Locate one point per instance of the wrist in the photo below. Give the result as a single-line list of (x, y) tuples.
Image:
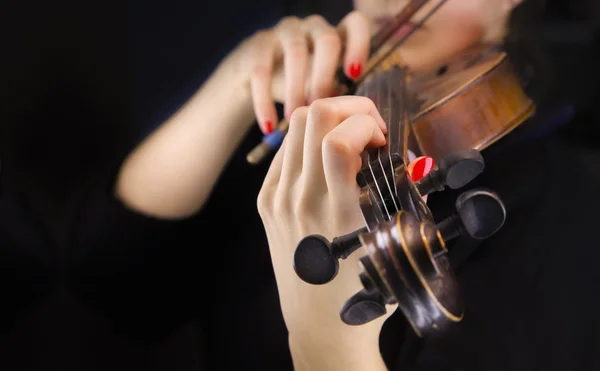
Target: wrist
[(227, 90), (172, 173), (352, 348), (232, 77)]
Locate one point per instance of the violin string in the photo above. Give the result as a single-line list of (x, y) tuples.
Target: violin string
[(368, 94), (385, 171), (383, 89), (378, 104), (392, 133), (403, 121)]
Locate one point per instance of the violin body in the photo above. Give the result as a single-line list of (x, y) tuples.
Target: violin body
[(470, 102)]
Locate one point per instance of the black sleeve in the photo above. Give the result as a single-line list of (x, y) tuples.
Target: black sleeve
[(529, 291), (26, 260), (332, 10), (136, 270), (149, 275)]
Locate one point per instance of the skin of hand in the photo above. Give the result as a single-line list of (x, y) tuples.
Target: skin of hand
[(311, 188), (172, 173), (295, 62)]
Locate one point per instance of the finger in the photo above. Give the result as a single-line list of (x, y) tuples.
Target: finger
[(323, 116), (274, 172), (342, 148), (260, 81), (327, 49), (355, 30), (292, 159), (294, 43), (270, 184), (420, 167)]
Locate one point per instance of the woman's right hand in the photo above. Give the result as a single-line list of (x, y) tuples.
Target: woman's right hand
[(295, 62)]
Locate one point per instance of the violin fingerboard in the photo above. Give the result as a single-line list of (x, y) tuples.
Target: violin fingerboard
[(387, 90)]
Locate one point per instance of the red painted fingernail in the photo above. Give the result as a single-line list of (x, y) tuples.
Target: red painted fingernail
[(268, 127), (354, 70), (420, 167)]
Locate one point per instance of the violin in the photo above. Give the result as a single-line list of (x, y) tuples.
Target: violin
[(449, 113)]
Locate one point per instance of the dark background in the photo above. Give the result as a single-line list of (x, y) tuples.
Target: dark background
[(82, 83)]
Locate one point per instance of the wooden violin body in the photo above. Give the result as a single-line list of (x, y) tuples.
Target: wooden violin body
[(449, 114), (470, 102)]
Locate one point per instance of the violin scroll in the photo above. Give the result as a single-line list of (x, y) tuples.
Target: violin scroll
[(407, 264)]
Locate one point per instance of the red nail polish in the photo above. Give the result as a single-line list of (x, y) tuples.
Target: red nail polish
[(420, 167), (268, 127), (355, 70)]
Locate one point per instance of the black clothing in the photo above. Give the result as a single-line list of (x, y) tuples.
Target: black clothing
[(150, 276), (528, 290), (26, 274)]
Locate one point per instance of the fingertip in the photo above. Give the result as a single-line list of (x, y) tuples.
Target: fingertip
[(267, 127), (355, 28), (379, 120), (420, 167), (383, 126), (354, 69), (378, 139), (266, 124)]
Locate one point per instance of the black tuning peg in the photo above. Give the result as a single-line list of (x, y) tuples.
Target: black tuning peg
[(479, 214), (454, 170), (363, 307), (316, 259)]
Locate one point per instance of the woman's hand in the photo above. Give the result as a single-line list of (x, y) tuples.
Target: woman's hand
[(295, 62), (172, 173), (311, 189)]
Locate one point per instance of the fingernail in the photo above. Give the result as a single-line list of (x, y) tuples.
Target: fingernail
[(268, 127), (354, 71), (421, 166)]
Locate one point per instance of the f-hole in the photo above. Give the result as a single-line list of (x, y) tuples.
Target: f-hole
[(442, 70)]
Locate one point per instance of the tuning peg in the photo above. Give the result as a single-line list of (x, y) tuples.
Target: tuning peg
[(479, 214), (316, 259), (454, 170), (363, 307)]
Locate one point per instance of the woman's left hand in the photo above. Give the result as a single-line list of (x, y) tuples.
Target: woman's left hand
[(311, 189)]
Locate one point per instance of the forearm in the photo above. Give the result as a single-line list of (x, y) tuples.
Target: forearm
[(172, 173)]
